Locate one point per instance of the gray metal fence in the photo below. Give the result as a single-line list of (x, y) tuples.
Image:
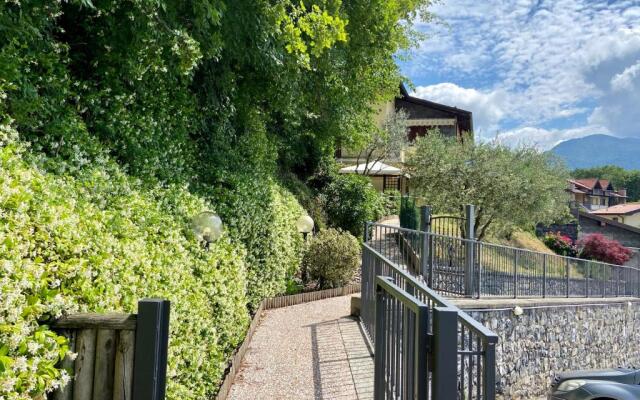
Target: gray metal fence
[(425, 348), (463, 267)]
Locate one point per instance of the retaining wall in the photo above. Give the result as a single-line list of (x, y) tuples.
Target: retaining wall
[(554, 335)]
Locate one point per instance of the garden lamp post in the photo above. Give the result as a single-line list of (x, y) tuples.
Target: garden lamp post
[(207, 227), (305, 225)]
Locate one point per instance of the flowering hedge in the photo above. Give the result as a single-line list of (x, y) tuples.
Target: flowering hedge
[(99, 242)]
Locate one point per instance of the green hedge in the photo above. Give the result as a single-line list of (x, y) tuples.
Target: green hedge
[(262, 216), (99, 242)]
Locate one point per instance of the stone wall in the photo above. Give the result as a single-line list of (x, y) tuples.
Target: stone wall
[(556, 335)]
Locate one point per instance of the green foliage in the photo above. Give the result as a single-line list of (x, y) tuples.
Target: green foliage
[(619, 177), (409, 214), (350, 201), (307, 199), (391, 202), (99, 242), (509, 187), (333, 258), (141, 113), (262, 216), (560, 244)]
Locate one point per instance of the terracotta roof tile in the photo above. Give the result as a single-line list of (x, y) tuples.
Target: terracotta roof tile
[(628, 208)]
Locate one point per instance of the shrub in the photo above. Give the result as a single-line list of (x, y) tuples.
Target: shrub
[(560, 244), (333, 258), (599, 248), (99, 242), (350, 201), (391, 202)]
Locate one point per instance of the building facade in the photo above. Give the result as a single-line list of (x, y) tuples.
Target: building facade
[(594, 194)]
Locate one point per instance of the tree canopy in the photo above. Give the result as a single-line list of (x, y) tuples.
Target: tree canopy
[(509, 187)]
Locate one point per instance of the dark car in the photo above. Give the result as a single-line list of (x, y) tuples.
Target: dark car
[(605, 384)]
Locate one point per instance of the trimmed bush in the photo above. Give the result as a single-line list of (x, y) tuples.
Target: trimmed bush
[(350, 201), (333, 258), (599, 248), (99, 242)]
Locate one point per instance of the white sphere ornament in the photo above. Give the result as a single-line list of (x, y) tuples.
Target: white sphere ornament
[(207, 226), (305, 224), (518, 311)]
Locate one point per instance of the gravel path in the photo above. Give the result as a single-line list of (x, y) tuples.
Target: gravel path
[(308, 351)]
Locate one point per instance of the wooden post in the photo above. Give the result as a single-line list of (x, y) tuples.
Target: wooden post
[(152, 340), (86, 349)]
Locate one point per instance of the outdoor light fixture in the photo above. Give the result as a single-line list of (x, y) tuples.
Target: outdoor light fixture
[(517, 311), (207, 227), (305, 225)]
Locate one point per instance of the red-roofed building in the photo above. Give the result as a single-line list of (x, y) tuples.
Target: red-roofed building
[(595, 194)]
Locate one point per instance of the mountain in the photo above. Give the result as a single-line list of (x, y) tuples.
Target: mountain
[(598, 150)]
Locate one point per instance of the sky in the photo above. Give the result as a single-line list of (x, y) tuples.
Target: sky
[(533, 71)]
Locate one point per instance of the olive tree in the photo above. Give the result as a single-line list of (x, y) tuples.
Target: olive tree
[(385, 142), (510, 187)]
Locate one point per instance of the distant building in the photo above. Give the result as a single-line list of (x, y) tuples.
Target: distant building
[(595, 194), (422, 116), (628, 213)]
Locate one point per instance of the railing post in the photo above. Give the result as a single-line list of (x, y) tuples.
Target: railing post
[(445, 353), (422, 348), (380, 346), (588, 270), (150, 358), (432, 249), (366, 232), (425, 226), (568, 281), (470, 236), (489, 370), (544, 275), (425, 218), (516, 256)]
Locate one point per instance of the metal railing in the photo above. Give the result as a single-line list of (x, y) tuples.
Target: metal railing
[(425, 348), (471, 268)]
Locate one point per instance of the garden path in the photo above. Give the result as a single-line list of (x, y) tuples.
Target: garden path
[(307, 351)]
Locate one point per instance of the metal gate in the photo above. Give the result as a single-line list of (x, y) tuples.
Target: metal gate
[(425, 347)]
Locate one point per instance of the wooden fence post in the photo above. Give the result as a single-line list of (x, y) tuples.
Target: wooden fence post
[(152, 340)]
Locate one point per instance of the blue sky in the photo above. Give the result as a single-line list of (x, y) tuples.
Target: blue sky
[(534, 71)]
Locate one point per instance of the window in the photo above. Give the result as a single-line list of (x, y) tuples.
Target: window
[(603, 201), (391, 183)]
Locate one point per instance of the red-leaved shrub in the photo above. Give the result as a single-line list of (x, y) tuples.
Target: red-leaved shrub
[(599, 248)]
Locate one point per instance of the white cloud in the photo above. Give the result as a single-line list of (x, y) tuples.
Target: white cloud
[(537, 62)]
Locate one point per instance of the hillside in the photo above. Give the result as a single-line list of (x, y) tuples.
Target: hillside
[(597, 150)]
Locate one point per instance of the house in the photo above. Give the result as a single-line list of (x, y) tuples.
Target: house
[(627, 213), (384, 177), (594, 194), (422, 116)]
